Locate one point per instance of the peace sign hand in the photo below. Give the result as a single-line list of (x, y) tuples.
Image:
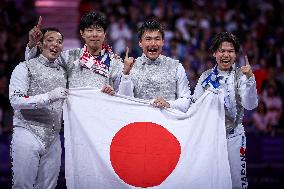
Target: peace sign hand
[(35, 34), (246, 69), (128, 63)]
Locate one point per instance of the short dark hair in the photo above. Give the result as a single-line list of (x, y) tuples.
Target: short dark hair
[(151, 25), (224, 37), (48, 29), (93, 19)]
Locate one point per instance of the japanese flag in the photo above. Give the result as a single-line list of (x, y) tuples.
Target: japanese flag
[(115, 142)]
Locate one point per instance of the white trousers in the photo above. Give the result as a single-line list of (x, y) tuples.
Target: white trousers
[(237, 159), (34, 166)]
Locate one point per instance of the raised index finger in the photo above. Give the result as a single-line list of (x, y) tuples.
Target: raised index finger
[(246, 60), (126, 53), (39, 22)]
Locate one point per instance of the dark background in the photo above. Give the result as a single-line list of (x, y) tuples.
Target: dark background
[(190, 26)]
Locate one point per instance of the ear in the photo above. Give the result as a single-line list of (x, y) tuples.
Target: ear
[(82, 33), (140, 45), (39, 44)]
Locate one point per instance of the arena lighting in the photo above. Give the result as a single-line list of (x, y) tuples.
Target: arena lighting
[(55, 3)]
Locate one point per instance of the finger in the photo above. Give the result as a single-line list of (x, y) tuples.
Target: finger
[(39, 22), (103, 89), (39, 35), (155, 103), (126, 53), (161, 105), (246, 60)]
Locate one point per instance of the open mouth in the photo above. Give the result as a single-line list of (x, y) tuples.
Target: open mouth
[(95, 40), (152, 50), (53, 51), (226, 62)]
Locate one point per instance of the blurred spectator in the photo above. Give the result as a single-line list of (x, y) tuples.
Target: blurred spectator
[(16, 18), (119, 34), (261, 74), (273, 102), (261, 119), (5, 108)]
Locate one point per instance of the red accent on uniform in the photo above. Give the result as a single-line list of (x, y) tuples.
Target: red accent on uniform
[(242, 151), (144, 154), (26, 96)]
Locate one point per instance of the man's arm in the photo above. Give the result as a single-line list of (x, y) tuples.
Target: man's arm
[(199, 89), (247, 87), (248, 93), (183, 100), (116, 73), (35, 36), (126, 86), (18, 91)]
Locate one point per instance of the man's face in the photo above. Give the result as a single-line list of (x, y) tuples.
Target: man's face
[(225, 56), (51, 45), (94, 37), (151, 43)]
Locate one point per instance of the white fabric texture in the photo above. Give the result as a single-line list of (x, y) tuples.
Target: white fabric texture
[(33, 165), (183, 100), (92, 119)]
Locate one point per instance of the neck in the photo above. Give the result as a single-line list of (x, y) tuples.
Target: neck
[(94, 51), (50, 60)]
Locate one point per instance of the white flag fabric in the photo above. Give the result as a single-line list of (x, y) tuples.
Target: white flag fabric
[(114, 142)]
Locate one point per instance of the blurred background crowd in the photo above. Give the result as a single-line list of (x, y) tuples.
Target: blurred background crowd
[(189, 28)]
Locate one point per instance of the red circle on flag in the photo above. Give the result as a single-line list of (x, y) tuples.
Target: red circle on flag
[(144, 154)]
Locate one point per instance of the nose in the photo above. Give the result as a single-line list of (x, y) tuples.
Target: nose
[(226, 54), (94, 33), (55, 43), (152, 42)]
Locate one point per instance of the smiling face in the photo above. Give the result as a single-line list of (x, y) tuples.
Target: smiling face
[(225, 56), (94, 37), (51, 45), (152, 44)]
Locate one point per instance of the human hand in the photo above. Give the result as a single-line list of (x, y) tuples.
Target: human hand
[(159, 102), (35, 34), (128, 63), (246, 69), (58, 93), (108, 90)]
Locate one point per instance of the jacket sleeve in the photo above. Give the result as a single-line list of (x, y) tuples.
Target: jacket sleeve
[(248, 93), (199, 89), (18, 90), (183, 100), (116, 73), (126, 86)]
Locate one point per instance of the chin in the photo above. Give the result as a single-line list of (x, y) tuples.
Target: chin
[(151, 57)]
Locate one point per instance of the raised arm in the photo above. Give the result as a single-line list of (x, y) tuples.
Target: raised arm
[(247, 87), (126, 86)]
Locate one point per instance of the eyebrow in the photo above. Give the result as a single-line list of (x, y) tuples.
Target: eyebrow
[(153, 37)]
